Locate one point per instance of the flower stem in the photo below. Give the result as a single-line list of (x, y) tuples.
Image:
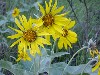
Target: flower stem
[(54, 45), (52, 52), (35, 67), (87, 65), (72, 58)]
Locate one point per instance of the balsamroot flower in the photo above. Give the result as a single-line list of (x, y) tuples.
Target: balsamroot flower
[(15, 12), (28, 37), (97, 66), (51, 21), (67, 37), (92, 48)]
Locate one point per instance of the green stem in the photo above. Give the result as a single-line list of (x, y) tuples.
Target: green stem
[(35, 67), (49, 68), (72, 58), (54, 45), (52, 52)]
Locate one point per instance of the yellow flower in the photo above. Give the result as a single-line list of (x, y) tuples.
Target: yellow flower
[(23, 56), (92, 48), (94, 52), (28, 37), (50, 21), (15, 12), (67, 37), (97, 66)]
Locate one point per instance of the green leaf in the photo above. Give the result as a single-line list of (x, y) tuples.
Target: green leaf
[(71, 70), (58, 54), (2, 22), (5, 64), (13, 68)]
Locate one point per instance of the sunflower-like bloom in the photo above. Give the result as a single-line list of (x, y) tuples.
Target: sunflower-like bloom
[(97, 66), (94, 52), (28, 37), (67, 37), (15, 12), (50, 21)]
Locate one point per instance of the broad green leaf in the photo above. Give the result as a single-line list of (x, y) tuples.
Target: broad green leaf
[(2, 22), (58, 54), (13, 68)]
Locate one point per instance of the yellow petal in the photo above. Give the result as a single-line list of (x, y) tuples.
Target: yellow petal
[(23, 56), (18, 24), (30, 22), (55, 36), (16, 42), (47, 8), (60, 18), (54, 7), (60, 43), (14, 36), (72, 39), (18, 31), (99, 57), (67, 42), (20, 47), (26, 26), (50, 3), (24, 22), (64, 14), (28, 58), (24, 19), (96, 66), (58, 28), (39, 42), (44, 41), (18, 59), (23, 45), (21, 20), (72, 34), (65, 45), (70, 25), (47, 37), (57, 10), (42, 9), (38, 22), (50, 30), (61, 23), (96, 52), (43, 33), (92, 53), (99, 71), (33, 49)]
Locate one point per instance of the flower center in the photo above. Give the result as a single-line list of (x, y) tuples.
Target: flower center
[(48, 20), (65, 32), (29, 35)]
